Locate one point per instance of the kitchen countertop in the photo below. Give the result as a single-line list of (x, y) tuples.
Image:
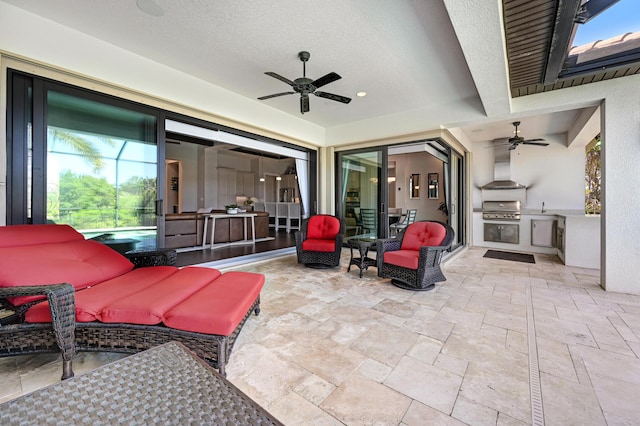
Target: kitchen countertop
[(565, 213), (570, 213)]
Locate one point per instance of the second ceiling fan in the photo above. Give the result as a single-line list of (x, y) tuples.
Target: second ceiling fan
[(305, 86), (517, 140)]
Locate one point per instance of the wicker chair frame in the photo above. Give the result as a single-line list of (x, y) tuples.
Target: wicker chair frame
[(316, 259), (68, 337), (428, 272)]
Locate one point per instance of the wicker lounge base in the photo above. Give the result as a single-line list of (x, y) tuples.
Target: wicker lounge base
[(24, 339), (165, 385)]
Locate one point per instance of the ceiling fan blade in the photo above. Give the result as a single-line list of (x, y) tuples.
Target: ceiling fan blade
[(513, 146), (329, 78), (333, 97), (534, 140), (304, 104), (279, 77), (262, 98), (530, 142)]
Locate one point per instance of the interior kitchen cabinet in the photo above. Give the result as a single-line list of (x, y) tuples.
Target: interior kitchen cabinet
[(352, 202), (289, 188), (543, 232), (173, 186), (246, 184), (227, 181)]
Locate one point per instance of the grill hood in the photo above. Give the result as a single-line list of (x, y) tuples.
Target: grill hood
[(502, 168)]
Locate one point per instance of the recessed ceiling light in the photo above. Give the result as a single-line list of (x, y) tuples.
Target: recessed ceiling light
[(361, 94), (150, 7)]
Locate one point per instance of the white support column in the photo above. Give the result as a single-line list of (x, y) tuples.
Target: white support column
[(620, 226)]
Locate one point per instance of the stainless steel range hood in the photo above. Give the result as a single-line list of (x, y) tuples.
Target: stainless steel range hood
[(502, 168)]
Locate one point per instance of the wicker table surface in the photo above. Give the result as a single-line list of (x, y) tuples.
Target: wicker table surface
[(165, 385), (362, 245)]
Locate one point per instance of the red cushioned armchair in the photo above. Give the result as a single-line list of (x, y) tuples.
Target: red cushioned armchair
[(319, 241), (412, 260)]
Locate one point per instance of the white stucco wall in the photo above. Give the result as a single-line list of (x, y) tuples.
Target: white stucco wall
[(553, 174), (621, 213)]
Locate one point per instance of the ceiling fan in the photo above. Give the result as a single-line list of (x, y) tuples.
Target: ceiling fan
[(517, 140), (305, 86)]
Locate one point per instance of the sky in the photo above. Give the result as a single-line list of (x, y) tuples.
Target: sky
[(623, 17)]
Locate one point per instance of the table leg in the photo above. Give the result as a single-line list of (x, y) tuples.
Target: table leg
[(350, 260), (364, 250), (245, 233), (204, 232), (253, 229), (213, 230)]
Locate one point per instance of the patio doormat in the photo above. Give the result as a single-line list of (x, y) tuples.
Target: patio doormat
[(508, 255)]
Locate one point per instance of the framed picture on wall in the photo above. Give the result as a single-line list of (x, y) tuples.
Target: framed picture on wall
[(432, 186)]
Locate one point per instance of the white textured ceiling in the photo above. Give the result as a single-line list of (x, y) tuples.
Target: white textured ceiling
[(419, 73), (403, 54)]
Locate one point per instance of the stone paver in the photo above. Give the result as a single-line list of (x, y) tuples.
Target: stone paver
[(330, 348)]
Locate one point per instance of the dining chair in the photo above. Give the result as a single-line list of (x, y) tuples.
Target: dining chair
[(407, 220), (369, 218)]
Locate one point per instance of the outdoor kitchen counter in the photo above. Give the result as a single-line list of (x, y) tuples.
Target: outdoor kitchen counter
[(580, 234)]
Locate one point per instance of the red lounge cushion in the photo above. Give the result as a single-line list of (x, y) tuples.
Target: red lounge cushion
[(81, 263), (219, 307), (149, 305), (91, 301), (32, 235), (420, 234), (323, 227), (328, 246), (404, 258)]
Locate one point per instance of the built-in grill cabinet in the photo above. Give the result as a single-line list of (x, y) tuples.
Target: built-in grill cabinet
[(503, 211), (502, 233)]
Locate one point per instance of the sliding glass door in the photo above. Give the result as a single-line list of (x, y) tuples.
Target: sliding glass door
[(362, 189), (456, 219), (386, 183), (80, 159)]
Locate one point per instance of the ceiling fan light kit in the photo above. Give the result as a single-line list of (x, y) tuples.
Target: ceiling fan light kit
[(306, 86)]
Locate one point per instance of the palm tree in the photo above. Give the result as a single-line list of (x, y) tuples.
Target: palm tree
[(85, 148)]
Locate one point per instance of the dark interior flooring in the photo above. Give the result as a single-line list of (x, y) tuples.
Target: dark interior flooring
[(282, 239)]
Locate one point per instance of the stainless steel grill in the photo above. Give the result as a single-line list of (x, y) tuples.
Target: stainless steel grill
[(501, 210)]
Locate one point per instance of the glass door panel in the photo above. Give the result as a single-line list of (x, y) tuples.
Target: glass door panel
[(456, 220), (102, 169), (361, 192)]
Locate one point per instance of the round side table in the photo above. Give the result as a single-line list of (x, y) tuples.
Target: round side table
[(363, 245)]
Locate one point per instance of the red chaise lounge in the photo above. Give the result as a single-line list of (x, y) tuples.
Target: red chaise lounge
[(96, 300)]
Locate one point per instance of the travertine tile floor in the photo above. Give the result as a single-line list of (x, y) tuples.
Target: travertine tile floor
[(498, 343)]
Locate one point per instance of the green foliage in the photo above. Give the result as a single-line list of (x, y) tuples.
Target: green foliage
[(592, 178), (88, 202)]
